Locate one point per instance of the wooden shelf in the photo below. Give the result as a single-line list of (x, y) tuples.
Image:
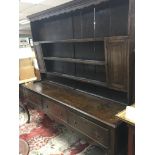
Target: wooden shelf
[(90, 62), (78, 78), (71, 40)]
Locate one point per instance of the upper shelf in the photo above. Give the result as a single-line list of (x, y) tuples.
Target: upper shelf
[(90, 62), (70, 40)]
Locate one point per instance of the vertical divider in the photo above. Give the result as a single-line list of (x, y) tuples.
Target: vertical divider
[(94, 21), (106, 61), (94, 43)]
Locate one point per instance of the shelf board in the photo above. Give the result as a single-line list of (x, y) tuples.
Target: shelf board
[(71, 40), (82, 79), (90, 62)]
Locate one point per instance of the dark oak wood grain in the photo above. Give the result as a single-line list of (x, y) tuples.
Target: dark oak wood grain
[(92, 130), (85, 51), (33, 99), (91, 62), (80, 35), (100, 109), (131, 33), (65, 8), (91, 116), (39, 57), (117, 55)]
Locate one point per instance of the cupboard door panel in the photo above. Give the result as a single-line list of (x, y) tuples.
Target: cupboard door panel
[(39, 56), (116, 57)]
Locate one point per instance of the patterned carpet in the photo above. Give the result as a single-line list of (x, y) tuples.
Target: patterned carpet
[(47, 137)]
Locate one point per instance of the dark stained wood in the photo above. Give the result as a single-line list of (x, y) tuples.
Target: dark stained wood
[(87, 17), (102, 20), (92, 130), (131, 140), (88, 88), (118, 17), (102, 110), (65, 8), (77, 26), (52, 108), (71, 40), (131, 71), (78, 78), (56, 29), (90, 117), (35, 26), (91, 62), (39, 56), (117, 56), (33, 99), (21, 92), (85, 50), (80, 34), (131, 20), (62, 50)]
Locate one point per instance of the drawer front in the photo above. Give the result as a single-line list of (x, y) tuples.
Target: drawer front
[(88, 128), (34, 98), (92, 130), (52, 108)]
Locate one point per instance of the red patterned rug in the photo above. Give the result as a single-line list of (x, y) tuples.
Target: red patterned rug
[(47, 137)]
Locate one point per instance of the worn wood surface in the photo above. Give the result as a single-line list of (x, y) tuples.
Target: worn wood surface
[(39, 55), (102, 110), (116, 56)]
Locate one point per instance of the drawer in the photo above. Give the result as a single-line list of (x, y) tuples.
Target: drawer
[(88, 128), (97, 133), (34, 99), (53, 108)]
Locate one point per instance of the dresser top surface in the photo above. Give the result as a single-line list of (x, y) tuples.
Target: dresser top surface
[(102, 110)]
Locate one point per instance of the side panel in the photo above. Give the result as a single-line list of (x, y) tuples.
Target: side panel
[(39, 56)]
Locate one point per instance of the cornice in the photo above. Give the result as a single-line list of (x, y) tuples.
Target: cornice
[(64, 8)]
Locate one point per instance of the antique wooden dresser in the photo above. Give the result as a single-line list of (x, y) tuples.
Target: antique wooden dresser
[(85, 51)]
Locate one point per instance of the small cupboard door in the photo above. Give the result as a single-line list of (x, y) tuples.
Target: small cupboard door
[(116, 51), (39, 56)]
